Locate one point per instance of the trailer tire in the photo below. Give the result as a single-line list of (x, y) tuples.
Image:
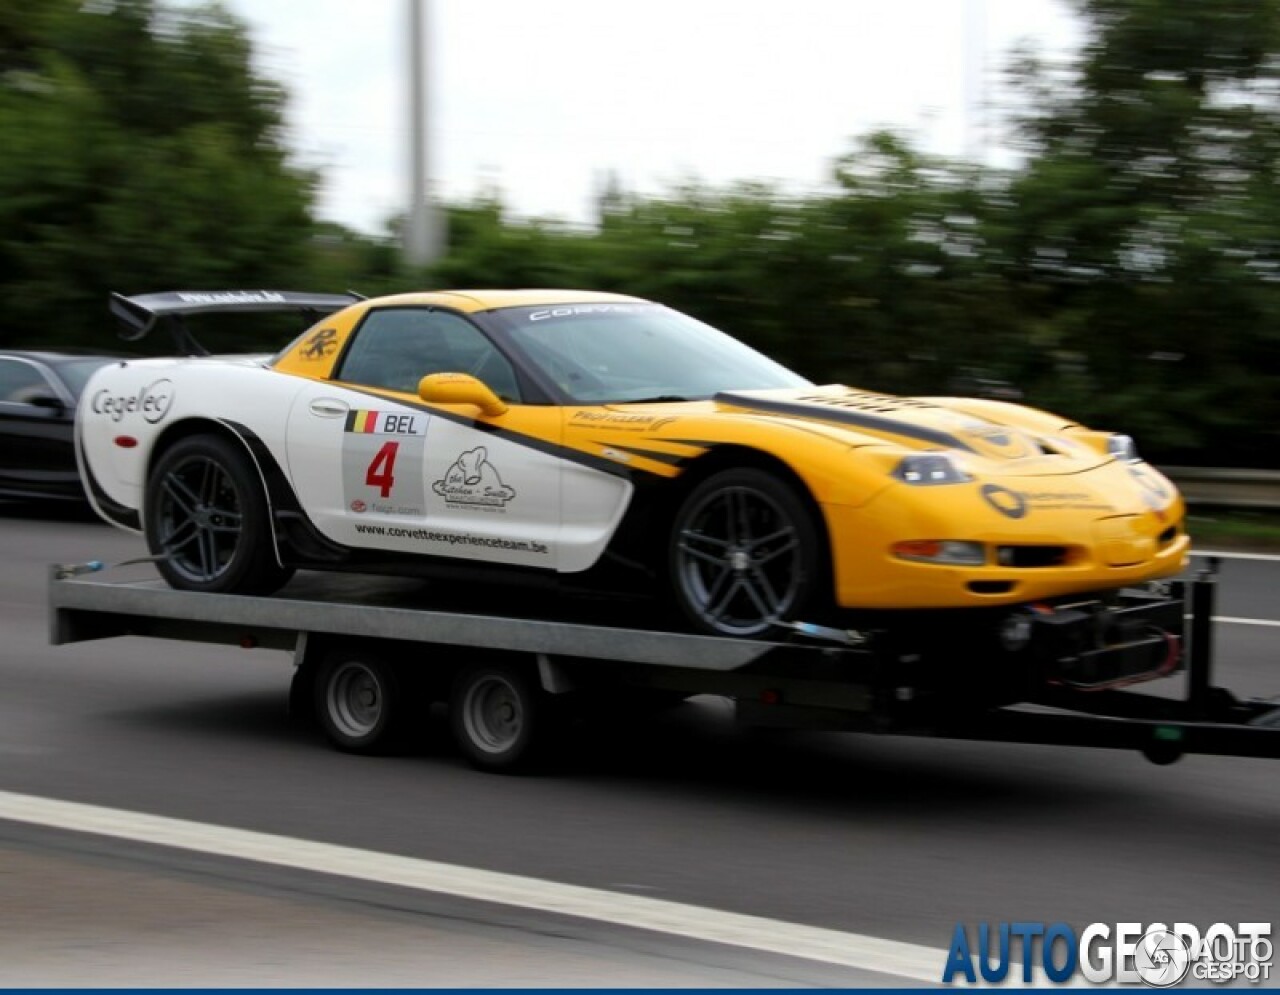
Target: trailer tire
[(1162, 753), (360, 702), (497, 712)]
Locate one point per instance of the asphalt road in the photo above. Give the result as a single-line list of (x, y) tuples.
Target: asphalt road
[(892, 838)]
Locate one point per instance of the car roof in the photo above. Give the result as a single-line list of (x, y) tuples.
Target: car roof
[(470, 301)]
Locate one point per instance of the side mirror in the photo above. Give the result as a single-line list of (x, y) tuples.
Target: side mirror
[(460, 388)]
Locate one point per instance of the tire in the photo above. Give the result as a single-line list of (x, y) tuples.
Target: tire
[(207, 517), (361, 703), (744, 553), (497, 711)]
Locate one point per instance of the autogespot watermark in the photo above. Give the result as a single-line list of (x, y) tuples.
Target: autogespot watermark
[(1155, 955)]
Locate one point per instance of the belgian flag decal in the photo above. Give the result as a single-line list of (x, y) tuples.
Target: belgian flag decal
[(362, 421), (385, 423)]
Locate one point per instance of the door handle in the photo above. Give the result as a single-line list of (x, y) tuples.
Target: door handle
[(327, 407)]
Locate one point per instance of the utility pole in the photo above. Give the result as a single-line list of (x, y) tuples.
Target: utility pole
[(975, 81), (423, 241)]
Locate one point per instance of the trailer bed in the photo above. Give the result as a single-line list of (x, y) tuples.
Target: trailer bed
[(363, 645)]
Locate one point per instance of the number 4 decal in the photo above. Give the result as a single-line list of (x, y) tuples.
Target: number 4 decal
[(382, 469)]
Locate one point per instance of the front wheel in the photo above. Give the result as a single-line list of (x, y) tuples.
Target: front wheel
[(361, 703), (744, 554), (207, 519)]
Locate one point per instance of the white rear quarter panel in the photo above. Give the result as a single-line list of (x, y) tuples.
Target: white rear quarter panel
[(137, 401)]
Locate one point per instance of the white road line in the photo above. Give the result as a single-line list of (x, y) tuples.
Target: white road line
[(1241, 556), (1247, 621), (868, 953), (1237, 556)]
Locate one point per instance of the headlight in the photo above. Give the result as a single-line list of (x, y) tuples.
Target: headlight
[(1122, 447), (926, 469), (947, 551)]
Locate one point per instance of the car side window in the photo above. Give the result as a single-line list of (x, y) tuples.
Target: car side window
[(20, 383), (396, 347)]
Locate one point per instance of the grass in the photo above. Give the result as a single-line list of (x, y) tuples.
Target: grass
[(1235, 528)]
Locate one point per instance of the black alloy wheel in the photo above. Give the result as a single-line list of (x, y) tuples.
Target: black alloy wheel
[(744, 555), (206, 516)]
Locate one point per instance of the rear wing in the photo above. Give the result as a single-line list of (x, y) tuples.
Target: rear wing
[(139, 315)]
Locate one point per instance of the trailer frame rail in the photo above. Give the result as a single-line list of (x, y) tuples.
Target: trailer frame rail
[(820, 678)]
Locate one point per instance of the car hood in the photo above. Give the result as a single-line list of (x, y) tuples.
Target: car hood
[(865, 418)]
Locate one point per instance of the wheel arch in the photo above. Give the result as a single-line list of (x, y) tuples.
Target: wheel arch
[(184, 429), (730, 456), (276, 488)]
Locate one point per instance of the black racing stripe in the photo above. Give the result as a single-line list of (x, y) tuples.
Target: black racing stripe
[(519, 438), (846, 417), (671, 459)]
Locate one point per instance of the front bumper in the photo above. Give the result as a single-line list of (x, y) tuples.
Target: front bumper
[(1046, 555)]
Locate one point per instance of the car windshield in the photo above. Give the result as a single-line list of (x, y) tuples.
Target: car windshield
[(632, 352), (75, 373)]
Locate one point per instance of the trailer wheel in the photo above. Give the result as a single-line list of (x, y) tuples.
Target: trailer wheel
[(360, 703), (1162, 753), (496, 711)]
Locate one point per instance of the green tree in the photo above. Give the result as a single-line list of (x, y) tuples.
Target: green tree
[(143, 151), (1141, 234)]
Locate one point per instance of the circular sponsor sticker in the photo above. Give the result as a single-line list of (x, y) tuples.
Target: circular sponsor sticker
[(1009, 503)]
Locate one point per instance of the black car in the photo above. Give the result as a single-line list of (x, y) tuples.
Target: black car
[(38, 396)]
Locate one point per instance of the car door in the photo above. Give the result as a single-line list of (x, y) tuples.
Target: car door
[(380, 472), (36, 454)]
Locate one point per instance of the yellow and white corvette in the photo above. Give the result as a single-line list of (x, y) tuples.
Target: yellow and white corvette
[(588, 437)]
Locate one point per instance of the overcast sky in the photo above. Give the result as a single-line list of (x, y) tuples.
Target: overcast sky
[(541, 97)]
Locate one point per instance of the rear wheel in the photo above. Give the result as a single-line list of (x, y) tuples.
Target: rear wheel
[(207, 517), (744, 554)]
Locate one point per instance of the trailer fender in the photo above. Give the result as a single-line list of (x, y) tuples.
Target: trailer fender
[(553, 677)]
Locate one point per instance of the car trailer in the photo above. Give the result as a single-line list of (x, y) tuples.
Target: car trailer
[(371, 661)]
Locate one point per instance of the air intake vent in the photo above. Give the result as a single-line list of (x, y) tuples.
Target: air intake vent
[(990, 586), (1031, 556)]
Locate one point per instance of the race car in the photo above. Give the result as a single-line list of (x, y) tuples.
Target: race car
[(604, 441)]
